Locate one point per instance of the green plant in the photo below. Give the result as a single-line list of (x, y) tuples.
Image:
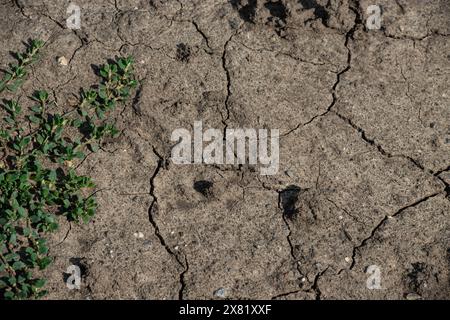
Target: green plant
[(39, 148), (16, 74)]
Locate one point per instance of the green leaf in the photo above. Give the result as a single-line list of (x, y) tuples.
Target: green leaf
[(52, 176), (34, 119), (43, 95), (12, 281), (36, 109), (100, 113), (7, 77), (13, 239), (39, 138), (39, 283), (79, 155), (26, 232), (10, 120), (93, 147), (18, 265), (44, 262), (76, 123), (66, 203), (22, 212), (13, 87), (14, 204)]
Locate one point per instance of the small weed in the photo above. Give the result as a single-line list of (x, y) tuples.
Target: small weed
[(39, 148), (16, 74)]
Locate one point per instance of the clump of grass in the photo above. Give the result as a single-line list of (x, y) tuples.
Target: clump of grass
[(39, 149)]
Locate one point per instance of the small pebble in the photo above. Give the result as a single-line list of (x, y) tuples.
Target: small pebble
[(348, 259), (62, 61), (220, 293), (413, 296)]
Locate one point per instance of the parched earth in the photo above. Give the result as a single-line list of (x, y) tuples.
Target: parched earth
[(364, 120)]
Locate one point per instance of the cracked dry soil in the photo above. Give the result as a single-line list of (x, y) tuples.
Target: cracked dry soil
[(364, 118)]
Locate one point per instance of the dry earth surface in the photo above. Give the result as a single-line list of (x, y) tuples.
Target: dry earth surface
[(364, 119)]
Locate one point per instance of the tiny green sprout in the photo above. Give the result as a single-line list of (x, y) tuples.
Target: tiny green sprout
[(15, 76), (39, 150), (40, 96)]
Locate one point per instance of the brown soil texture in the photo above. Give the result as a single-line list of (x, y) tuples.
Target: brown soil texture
[(364, 120)]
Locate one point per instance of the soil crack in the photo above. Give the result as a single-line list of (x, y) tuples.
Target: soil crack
[(153, 210), (381, 224)]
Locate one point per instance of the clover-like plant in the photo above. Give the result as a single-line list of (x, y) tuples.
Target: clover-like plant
[(39, 150)]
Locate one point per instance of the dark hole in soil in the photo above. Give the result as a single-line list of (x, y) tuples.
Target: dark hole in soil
[(319, 11), (417, 276), (204, 187), (288, 200), (247, 12), (183, 52), (277, 9)]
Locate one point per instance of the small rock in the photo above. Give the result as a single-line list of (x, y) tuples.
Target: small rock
[(62, 61), (220, 293), (147, 243), (413, 296), (348, 259)]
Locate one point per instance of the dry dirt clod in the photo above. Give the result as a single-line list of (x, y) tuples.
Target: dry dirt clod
[(62, 61)]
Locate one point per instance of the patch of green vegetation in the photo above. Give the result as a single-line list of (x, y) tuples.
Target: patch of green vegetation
[(39, 148)]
